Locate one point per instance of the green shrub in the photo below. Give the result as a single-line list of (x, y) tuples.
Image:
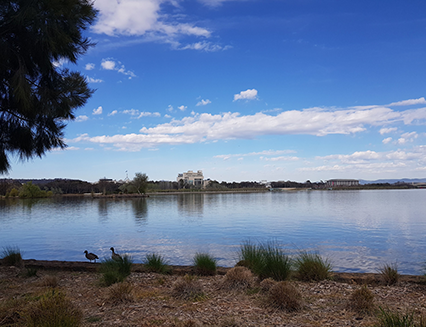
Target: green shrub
[(266, 260), (156, 263), (31, 272), (389, 273), (285, 296), (188, 288), (13, 192), (312, 267), (362, 300), (12, 256), (205, 264), (53, 309), (115, 271)]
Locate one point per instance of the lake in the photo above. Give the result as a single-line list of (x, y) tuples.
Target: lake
[(358, 231)]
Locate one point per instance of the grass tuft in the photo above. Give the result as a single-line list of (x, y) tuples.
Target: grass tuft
[(266, 284), (12, 256), (120, 292), (389, 273), (388, 318), (266, 260), (205, 264), (188, 288), (115, 271), (156, 263), (238, 278), (285, 296), (53, 309), (49, 281), (362, 300), (312, 267)]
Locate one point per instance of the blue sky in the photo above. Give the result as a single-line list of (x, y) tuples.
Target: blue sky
[(249, 90)]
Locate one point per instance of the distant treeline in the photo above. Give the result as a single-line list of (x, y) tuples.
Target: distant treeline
[(60, 186)]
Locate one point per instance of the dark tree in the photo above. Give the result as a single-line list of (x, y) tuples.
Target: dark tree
[(36, 96)]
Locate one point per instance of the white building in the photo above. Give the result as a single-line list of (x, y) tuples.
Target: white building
[(192, 178), (342, 182)]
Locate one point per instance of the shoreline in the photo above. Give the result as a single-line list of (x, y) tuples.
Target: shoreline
[(84, 266)]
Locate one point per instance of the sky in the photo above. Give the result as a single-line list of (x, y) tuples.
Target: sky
[(248, 90)]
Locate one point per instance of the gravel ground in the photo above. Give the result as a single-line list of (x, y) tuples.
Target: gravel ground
[(153, 302)]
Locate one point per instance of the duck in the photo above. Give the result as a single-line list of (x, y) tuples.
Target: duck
[(91, 256), (115, 256)]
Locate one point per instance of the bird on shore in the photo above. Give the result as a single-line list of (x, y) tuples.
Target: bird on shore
[(115, 256), (91, 256)]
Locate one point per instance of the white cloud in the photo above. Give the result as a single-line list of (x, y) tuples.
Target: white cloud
[(203, 102), (202, 46), (281, 158), (246, 95), (409, 102), (97, 111), (387, 140), (167, 116), (170, 108), (60, 62), (112, 113), (227, 126), (261, 153), (109, 64), (129, 17), (81, 118), (132, 112), (387, 130), (90, 66), (93, 80), (149, 114), (182, 108), (407, 137)]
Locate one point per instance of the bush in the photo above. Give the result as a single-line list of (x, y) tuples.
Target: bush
[(156, 263), (205, 264), (285, 296), (362, 300), (53, 309), (13, 192), (389, 274), (312, 267), (266, 260), (238, 278), (12, 256), (115, 271), (188, 288), (120, 292)]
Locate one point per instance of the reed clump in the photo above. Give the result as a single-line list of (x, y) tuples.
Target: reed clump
[(120, 292), (115, 271), (312, 267), (156, 263), (205, 264), (388, 318), (389, 273), (12, 256), (266, 260)]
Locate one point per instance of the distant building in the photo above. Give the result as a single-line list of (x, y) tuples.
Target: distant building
[(342, 182), (192, 178)]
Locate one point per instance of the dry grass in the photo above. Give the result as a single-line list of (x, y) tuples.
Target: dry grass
[(285, 296), (362, 300), (188, 288), (53, 309), (120, 292), (389, 273), (49, 281), (240, 278), (266, 284)]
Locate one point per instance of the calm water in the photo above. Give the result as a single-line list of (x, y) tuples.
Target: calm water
[(358, 231)]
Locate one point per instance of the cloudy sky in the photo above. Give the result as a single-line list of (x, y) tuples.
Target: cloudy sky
[(249, 90)]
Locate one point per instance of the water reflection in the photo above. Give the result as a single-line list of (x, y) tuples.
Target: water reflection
[(140, 210), (191, 205), (103, 209)]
